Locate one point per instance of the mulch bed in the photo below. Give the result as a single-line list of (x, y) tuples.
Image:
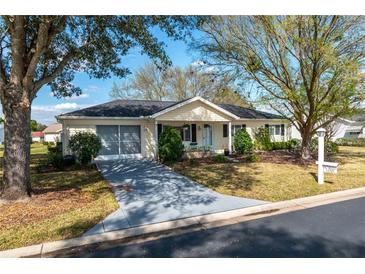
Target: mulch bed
[(283, 157), (276, 157)]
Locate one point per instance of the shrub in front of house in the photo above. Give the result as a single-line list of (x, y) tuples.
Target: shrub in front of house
[(263, 139), (355, 142), (54, 155), (85, 146), (329, 146), (294, 144), (253, 158), (219, 158), (242, 142), (193, 162), (280, 145), (170, 145)]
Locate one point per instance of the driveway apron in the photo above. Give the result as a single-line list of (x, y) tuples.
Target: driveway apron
[(148, 193)]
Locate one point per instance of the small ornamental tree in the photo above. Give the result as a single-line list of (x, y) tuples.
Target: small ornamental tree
[(242, 141), (263, 139), (85, 146), (170, 145)]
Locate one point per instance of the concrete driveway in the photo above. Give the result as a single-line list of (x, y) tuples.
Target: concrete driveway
[(151, 193)]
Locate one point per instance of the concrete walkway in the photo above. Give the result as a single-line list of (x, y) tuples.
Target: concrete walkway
[(150, 193)]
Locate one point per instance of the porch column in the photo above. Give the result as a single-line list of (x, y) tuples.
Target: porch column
[(156, 138), (230, 137)]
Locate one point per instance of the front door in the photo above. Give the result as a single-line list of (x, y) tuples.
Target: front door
[(207, 136)]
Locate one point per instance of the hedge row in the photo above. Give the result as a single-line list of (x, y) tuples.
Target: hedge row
[(358, 142), (291, 144)]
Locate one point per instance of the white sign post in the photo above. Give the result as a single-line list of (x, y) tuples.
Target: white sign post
[(320, 162), (323, 166)]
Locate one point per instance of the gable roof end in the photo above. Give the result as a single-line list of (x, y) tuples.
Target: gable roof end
[(188, 101)]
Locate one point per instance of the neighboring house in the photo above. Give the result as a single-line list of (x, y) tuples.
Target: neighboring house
[(130, 128), (37, 136), (353, 127), (52, 133)]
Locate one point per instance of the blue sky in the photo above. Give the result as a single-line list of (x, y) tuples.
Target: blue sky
[(45, 107)]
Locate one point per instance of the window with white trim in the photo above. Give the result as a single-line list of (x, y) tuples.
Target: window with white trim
[(276, 129), (186, 133), (235, 128)]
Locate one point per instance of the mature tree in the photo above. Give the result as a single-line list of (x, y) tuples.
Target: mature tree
[(48, 50), (35, 126), (149, 83), (308, 68), (230, 96), (176, 83)]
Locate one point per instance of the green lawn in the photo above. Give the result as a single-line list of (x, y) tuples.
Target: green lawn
[(65, 205), (278, 181), (36, 148)]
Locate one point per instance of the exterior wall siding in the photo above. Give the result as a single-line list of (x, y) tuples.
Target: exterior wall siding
[(195, 111), (52, 137), (70, 127), (253, 125)]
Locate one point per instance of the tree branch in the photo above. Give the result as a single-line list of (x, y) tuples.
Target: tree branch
[(56, 72), (17, 33), (40, 47)]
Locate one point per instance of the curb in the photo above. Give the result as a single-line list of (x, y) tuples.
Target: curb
[(197, 222)]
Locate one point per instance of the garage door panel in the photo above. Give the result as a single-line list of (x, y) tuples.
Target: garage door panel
[(117, 140), (109, 136), (108, 133), (130, 148), (109, 148), (130, 140)]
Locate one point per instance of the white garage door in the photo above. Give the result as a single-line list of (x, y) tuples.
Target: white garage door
[(119, 140)]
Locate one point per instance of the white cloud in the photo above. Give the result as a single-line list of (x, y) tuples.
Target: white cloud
[(46, 113), (58, 107), (197, 63), (75, 97), (91, 88), (66, 106)]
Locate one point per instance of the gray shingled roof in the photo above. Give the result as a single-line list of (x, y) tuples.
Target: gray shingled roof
[(249, 113), (141, 108), (123, 108)]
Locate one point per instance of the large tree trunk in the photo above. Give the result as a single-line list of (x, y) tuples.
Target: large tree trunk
[(16, 178), (306, 149)]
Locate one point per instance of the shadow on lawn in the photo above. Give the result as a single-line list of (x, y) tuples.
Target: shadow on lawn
[(215, 175), (314, 175)]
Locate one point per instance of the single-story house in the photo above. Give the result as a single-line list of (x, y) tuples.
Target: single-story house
[(350, 127), (52, 133), (130, 128), (353, 127), (37, 136)]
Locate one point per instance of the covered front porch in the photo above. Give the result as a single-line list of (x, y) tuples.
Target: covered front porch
[(208, 136)]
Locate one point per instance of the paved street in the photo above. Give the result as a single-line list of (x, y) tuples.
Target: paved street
[(335, 230)]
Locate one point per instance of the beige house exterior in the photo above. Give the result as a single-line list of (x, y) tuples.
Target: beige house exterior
[(52, 133), (203, 125)]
